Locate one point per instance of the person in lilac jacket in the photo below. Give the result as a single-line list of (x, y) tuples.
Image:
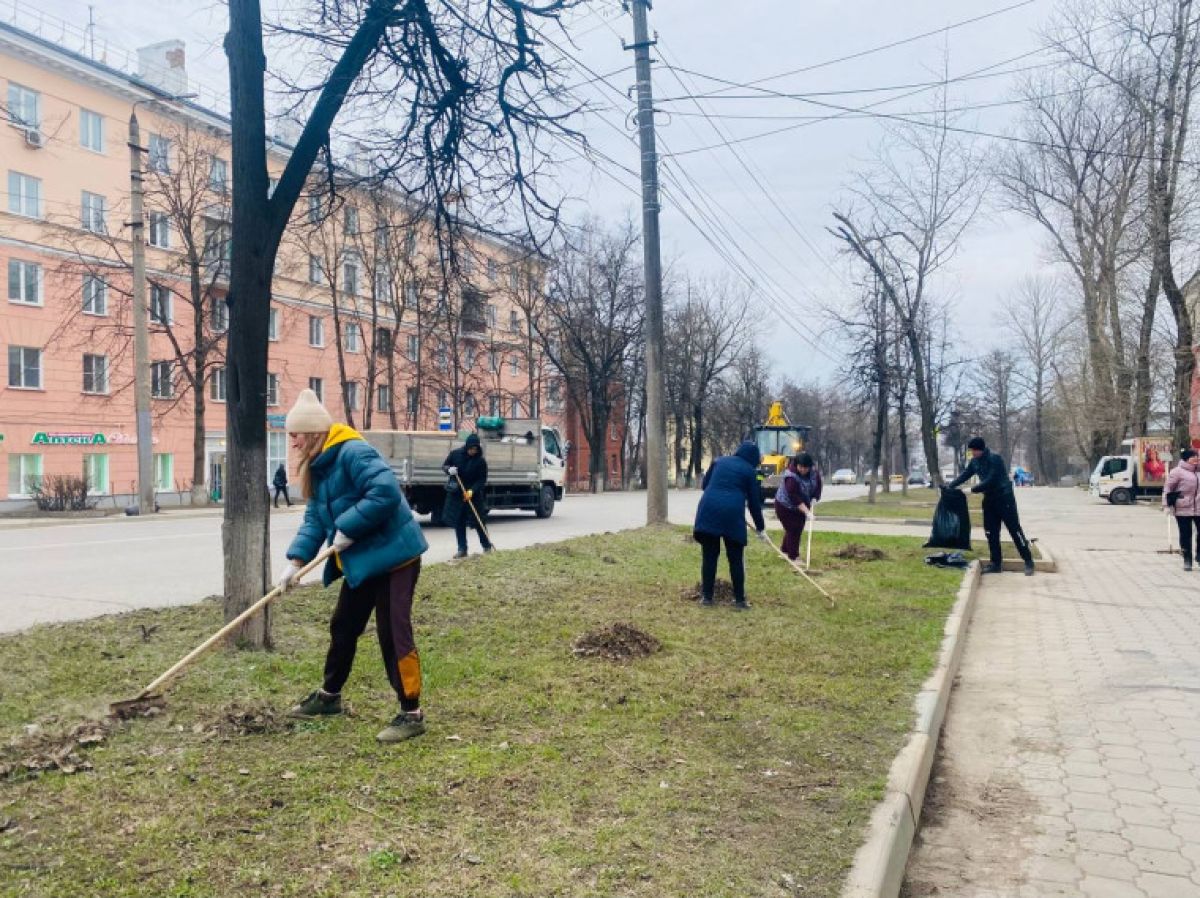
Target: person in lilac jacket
[(1184, 483)]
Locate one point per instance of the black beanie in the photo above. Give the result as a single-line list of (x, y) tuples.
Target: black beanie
[(977, 443)]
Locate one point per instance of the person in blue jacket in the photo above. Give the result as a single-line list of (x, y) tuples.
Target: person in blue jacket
[(730, 487), (355, 505)]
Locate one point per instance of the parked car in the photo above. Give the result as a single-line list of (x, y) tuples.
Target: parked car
[(843, 477), (898, 478), (918, 479)]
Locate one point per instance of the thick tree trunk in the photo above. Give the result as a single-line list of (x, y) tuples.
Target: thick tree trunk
[(881, 417), (925, 407)]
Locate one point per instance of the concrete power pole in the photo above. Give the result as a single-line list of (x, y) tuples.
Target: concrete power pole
[(656, 419), (141, 335)]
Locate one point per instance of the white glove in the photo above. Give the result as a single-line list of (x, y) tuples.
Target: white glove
[(287, 578), (762, 534), (452, 471), (341, 542)]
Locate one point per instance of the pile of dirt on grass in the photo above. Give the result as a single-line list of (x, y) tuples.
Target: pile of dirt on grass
[(616, 642), (40, 750), (246, 720), (722, 593), (859, 552)]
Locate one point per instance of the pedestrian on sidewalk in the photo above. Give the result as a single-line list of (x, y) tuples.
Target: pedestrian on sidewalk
[(999, 503), (355, 505), (467, 473), (280, 482), (730, 487), (798, 492), (1181, 497)]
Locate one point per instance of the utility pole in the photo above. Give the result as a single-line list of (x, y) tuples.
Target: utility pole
[(656, 420), (141, 334)]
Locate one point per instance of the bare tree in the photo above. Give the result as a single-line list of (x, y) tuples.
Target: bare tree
[(1033, 316), (905, 223), (442, 94)]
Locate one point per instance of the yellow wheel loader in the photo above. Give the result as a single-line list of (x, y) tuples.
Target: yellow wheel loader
[(778, 440)]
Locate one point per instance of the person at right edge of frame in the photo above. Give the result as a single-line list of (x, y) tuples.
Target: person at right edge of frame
[(999, 503), (730, 487), (467, 471), (1181, 498)]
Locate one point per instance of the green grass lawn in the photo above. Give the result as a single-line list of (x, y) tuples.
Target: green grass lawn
[(742, 759), (917, 505)]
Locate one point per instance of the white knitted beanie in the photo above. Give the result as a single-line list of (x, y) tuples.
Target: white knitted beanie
[(308, 415)]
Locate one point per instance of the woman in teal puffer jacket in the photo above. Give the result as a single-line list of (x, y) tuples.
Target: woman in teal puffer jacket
[(355, 505)]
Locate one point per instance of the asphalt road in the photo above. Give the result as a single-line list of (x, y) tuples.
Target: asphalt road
[(80, 569)]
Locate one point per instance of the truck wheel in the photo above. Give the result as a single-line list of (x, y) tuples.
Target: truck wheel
[(545, 506), (1120, 497)]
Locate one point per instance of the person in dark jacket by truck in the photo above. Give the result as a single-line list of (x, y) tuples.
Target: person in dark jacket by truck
[(999, 503), (730, 486), (467, 473), (798, 492), (355, 505)]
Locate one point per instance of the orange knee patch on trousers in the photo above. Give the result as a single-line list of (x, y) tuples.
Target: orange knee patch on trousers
[(410, 674)]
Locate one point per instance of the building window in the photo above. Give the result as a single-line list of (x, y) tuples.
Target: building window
[(514, 366), (24, 195), (95, 471), (350, 221), (25, 105), (160, 305), (514, 322), (162, 381), (491, 269), (383, 398), (160, 154), (352, 399), (24, 474), (411, 400), (353, 337), (470, 356), (554, 394), (316, 274), (218, 314), (160, 230), (91, 130), (216, 385), (493, 405), (350, 275), (383, 341), (272, 389), (491, 314), (164, 472), (411, 295), (95, 374), (316, 331), (25, 367), (414, 347), (515, 409), (443, 399), (469, 407), (273, 324), (317, 385), (468, 263), (276, 452), (494, 361), (24, 282), (218, 243), (314, 209), (218, 175), (383, 284), (92, 213), (95, 295), (441, 357), (514, 279)]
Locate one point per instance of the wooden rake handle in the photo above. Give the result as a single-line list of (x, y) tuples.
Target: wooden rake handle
[(217, 638), (795, 566), (473, 509)]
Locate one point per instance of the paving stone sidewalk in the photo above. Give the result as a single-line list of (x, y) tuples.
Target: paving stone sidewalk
[(1070, 761)]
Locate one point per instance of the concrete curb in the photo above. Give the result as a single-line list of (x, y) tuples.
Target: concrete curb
[(878, 869)]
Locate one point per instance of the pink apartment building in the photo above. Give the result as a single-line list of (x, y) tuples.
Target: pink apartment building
[(66, 398)]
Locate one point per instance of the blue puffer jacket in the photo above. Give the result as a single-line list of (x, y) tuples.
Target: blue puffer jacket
[(730, 486), (355, 491)]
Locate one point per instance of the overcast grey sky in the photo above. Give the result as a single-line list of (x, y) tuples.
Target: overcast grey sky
[(787, 251)]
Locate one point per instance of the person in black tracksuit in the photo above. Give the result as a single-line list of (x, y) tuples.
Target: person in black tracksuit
[(466, 465), (280, 483), (999, 503)]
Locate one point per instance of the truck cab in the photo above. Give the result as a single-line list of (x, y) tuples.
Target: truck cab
[(1141, 470), (1113, 479)]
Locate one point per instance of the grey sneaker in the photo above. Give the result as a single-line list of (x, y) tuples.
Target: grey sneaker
[(405, 726), (318, 704), (458, 555), (707, 601), (741, 605)]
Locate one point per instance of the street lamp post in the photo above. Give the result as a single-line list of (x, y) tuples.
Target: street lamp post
[(141, 330)]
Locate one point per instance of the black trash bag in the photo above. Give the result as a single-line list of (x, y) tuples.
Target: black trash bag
[(947, 559), (951, 522)]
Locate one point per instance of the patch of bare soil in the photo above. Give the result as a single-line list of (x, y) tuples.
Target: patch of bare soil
[(722, 593), (859, 552), (616, 642), (246, 720), (40, 750)]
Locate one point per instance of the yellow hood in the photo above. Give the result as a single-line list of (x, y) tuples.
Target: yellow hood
[(340, 433)]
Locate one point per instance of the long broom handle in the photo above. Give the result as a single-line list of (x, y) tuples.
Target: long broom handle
[(803, 573), (214, 640), (473, 511)]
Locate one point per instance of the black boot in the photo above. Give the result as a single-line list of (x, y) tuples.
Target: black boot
[(992, 568), (1187, 561)]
